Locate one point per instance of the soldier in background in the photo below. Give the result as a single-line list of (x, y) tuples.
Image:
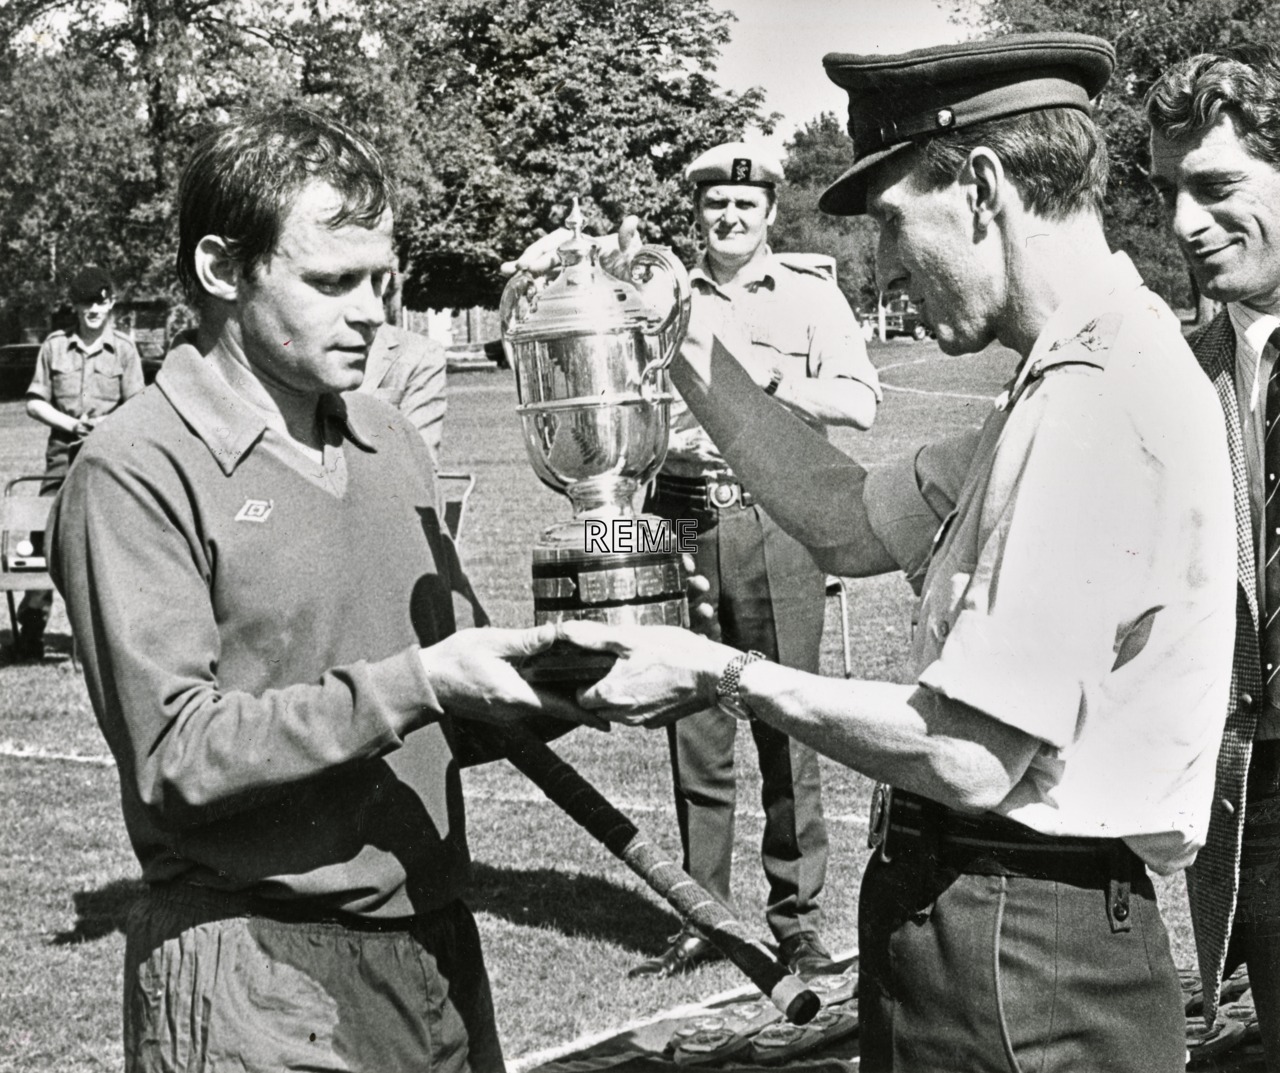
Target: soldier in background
[(81, 376), (408, 371), (801, 344)]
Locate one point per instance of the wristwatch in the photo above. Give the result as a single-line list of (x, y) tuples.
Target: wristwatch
[(775, 378), (728, 697)]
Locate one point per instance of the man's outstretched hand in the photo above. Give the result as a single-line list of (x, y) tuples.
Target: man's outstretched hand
[(474, 675)]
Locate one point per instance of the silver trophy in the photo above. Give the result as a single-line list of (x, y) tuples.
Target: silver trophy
[(591, 353)]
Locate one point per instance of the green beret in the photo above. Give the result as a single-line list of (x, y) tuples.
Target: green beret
[(736, 164), (898, 100)]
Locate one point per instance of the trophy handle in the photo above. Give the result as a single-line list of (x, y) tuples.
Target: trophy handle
[(519, 298), (647, 261)]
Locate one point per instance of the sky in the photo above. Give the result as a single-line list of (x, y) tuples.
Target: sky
[(779, 45)]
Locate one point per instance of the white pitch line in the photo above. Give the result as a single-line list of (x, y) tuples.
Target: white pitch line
[(924, 391), (25, 752), (936, 394)]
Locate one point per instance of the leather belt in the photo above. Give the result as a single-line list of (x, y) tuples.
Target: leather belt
[(988, 844), (702, 493)]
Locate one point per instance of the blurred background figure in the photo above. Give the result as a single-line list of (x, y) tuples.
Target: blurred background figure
[(80, 377), (408, 371)]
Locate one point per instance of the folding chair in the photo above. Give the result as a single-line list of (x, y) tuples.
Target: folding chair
[(455, 490), (21, 518), (836, 587)]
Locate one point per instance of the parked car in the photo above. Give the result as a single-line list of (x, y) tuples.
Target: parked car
[(901, 317)]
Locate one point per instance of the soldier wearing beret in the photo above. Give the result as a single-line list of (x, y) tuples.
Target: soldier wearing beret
[(1072, 647), (800, 343), (80, 377), (1215, 163)]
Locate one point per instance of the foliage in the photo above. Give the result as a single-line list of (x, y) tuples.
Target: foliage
[(491, 112), (73, 180), (1149, 35), (816, 155), (537, 100)]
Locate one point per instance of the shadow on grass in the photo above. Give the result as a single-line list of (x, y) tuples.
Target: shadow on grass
[(101, 912), (575, 905), (578, 906), (57, 647)]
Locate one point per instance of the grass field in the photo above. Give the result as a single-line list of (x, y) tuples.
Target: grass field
[(561, 920)]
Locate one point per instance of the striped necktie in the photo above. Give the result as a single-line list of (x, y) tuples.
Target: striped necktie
[(1270, 640)]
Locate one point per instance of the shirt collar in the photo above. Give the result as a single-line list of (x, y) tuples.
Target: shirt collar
[(1107, 292), (106, 341), (757, 273), (223, 420), (1252, 328)]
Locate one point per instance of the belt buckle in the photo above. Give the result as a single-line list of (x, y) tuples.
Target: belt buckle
[(722, 494), (878, 823)]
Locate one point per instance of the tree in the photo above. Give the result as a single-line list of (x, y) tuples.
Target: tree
[(490, 112), (109, 99), (74, 181), (532, 101), (816, 155), (1149, 35)]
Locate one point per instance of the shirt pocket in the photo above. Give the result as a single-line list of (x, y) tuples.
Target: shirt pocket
[(66, 375), (105, 390), (782, 338)]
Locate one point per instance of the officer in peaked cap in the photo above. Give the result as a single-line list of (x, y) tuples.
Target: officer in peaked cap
[(80, 377), (899, 101), (801, 345), (1074, 557)]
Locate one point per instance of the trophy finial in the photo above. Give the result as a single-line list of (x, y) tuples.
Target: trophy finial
[(577, 249), (574, 219)]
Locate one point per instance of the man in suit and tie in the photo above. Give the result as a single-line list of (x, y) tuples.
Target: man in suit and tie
[(408, 371), (1215, 156)]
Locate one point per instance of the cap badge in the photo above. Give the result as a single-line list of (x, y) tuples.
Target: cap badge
[(741, 170), (946, 117)]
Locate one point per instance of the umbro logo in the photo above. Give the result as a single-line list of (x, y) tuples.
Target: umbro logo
[(255, 510)]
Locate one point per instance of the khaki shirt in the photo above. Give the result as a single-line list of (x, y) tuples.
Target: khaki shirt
[(1083, 589), (87, 381), (789, 316)]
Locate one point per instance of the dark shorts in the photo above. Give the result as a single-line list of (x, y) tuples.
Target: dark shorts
[(211, 989), (1012, 973)]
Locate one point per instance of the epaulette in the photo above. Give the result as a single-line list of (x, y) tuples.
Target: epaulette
[(1091, 346), (808, 264)]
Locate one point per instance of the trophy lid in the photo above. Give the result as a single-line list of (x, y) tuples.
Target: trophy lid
[(583, 299)]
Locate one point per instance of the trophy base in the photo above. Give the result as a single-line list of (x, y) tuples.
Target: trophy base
[(630, 589)]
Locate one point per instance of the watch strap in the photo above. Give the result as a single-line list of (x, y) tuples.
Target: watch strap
[(728, 693)]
